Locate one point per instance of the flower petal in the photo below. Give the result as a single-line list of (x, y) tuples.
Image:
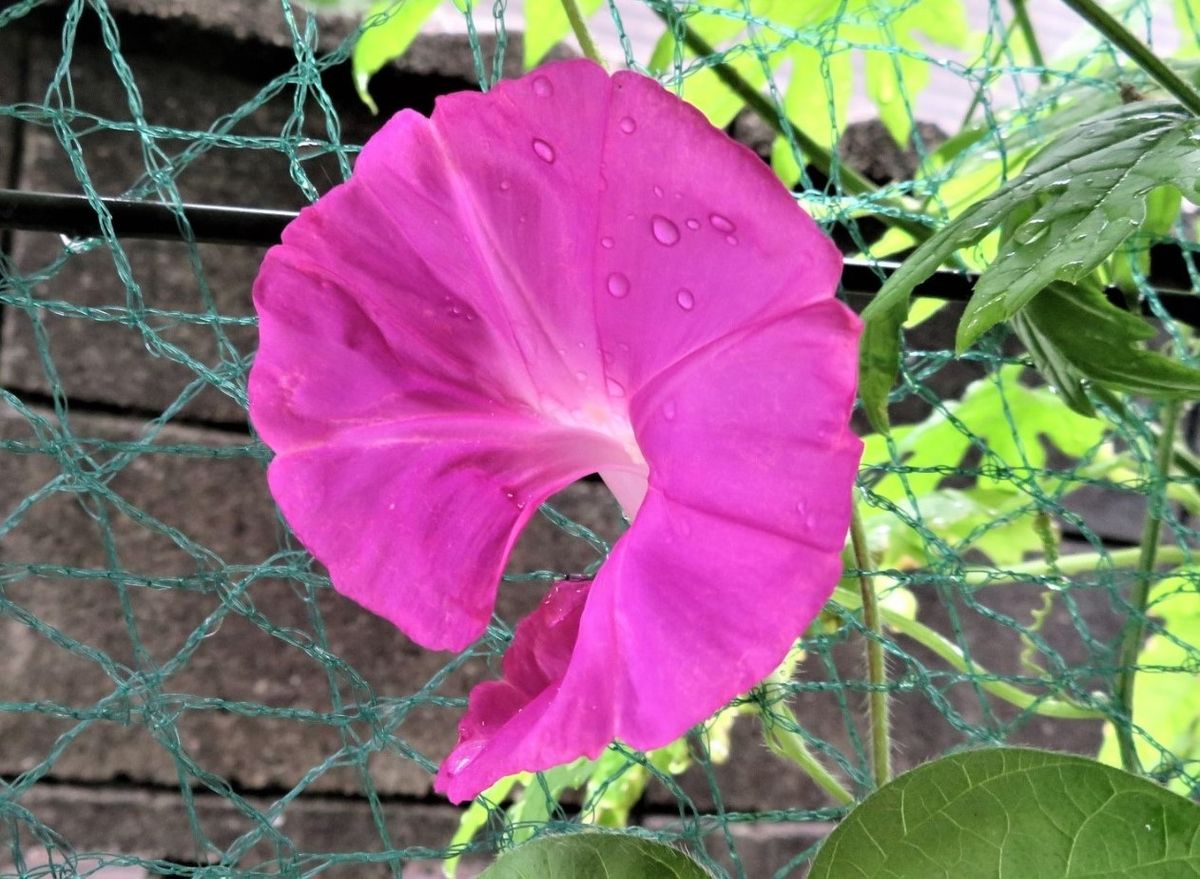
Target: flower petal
[(717, 577), (415, 519)]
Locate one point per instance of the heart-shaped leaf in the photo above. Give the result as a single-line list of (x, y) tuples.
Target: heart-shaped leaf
[(1015, 813)]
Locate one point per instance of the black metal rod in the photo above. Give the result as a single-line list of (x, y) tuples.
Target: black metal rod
[(74, 216)]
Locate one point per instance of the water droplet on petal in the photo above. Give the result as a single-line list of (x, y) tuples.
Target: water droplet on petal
[(542, 87), (505, 186), (731, 240), (658, 191), (669, 410), (686, 299), (615, 388), (544, 151), (618, 285), (581, 376), (628, 125), (721, 223), (665, 232), (466, 753), (693, 223), (606, 243)]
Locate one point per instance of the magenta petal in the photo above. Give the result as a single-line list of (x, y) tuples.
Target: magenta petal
[(706, 593), (415, 519)]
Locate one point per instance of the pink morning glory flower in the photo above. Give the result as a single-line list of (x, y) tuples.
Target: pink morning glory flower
[(571, 274)]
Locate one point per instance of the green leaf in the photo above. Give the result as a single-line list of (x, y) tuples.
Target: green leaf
[(826, 24), (474, 818), (1008, 421), (1015, 813), (1187, 24), (817, 100), (1011, 424), (1094, 183), (390, 28), (541, 795), (1075, 203), (1090, 338), (595, 855), (999, 524), (1093, 186), (546, 24), (1166, 701)]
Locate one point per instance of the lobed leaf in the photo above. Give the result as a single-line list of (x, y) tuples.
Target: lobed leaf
[(1075, 203)]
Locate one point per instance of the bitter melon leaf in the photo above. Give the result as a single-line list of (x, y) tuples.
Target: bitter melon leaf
[(384, 39), (1007, 421), (1090, 188), (595, 855), (1015, 813), (822, 28), (1092, 338)]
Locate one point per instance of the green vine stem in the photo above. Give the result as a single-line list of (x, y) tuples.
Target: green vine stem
[(1021, 15), (1131, 640), (879, 710), (1048, 706), (1138, 52), (1068, 565), (785, 740), (582, 34)]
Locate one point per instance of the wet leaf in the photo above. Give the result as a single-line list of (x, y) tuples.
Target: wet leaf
[(1076, 202)]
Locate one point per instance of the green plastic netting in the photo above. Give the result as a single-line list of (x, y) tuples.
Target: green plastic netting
[(182, 693)]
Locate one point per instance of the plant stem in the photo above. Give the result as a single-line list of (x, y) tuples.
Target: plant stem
[(1021, 14), (1074, 564), (579, 26), (790, 744), (1138, 53), (878, 706), (953, 656), (1131, 641)]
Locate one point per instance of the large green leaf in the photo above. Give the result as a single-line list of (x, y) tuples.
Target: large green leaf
[(1076, 202), (595, 855), (1166, 700), (390, 28), (1013, 813)]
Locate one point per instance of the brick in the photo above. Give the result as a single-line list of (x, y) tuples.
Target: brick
[(146, 366), (153, 826), (253, 649)]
